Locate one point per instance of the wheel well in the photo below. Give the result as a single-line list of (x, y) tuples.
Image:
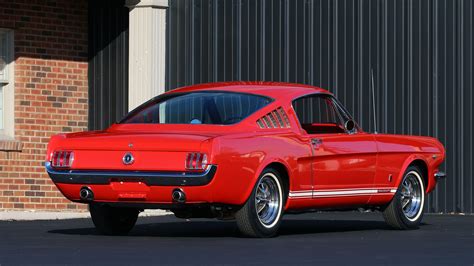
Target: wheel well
[(424, 170), (284, 175)]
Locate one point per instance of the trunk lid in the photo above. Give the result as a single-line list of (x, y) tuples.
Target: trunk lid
[(151, 151), (137, 141)]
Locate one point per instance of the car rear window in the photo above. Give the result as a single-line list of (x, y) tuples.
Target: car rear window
[(216, 107)]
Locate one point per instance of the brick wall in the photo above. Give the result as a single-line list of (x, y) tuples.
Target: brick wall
[(50, 95)]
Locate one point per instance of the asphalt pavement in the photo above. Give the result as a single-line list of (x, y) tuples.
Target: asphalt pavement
[(346, 238)]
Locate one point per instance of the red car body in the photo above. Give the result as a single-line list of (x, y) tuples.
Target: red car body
[(338, 171)]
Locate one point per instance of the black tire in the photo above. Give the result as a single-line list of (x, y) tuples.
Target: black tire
[(113, 221), (249, 222), (395, 215)]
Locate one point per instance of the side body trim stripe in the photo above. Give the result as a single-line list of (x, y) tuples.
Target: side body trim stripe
[(340, 192)]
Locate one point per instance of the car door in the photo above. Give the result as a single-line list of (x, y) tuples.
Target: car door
[(343, 163)]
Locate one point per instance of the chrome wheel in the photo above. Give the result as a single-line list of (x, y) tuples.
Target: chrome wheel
[(261, 214), (412, 195), (268, 198)]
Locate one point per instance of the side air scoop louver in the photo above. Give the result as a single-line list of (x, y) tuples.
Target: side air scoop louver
[(275, 119)]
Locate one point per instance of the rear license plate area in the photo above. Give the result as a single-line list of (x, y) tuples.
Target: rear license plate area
[(133, 191)]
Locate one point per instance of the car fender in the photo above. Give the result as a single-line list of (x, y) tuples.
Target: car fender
[(265, 163), (406, 164)]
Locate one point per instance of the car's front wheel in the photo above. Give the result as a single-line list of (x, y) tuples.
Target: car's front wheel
[(261, 214), (111, 220), (405, 211)]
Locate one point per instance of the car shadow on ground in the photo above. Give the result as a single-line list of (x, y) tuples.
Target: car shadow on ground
[(228, 228)]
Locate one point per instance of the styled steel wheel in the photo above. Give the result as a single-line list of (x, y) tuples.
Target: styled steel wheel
[(412, 195), (405, 211), (268, 200), (261, 214)]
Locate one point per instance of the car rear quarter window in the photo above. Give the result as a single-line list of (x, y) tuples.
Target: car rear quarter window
[(218, 108)]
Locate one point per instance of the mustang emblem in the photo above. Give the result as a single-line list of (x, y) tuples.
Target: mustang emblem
[(128, 158)]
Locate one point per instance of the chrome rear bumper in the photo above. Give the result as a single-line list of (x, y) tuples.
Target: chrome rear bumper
[(150, 178)]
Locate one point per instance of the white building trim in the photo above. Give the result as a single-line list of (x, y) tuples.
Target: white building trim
[(147, 50), (7, 131)]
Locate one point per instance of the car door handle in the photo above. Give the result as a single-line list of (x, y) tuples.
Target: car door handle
[(316, 142)]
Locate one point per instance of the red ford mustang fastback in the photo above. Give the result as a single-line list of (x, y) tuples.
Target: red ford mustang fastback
[(246, 151)]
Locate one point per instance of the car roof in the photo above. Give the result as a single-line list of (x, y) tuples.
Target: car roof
[(275, 90)]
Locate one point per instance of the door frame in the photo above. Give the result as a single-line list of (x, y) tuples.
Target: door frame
[(343, 116)]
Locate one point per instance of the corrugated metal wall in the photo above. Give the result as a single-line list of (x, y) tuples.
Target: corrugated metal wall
[(420, 51), (108, 62)]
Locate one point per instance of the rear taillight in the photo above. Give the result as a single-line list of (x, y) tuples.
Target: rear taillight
[(196, 161), (62, 159)]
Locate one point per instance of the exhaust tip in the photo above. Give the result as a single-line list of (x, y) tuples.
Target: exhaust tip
[(178, 195), (86, 194)]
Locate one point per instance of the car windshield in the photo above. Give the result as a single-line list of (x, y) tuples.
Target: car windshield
[(216, 108)]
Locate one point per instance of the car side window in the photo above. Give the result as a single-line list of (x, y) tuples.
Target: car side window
[(317, 114)]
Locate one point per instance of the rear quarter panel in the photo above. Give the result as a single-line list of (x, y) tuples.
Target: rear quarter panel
[(241, 158)]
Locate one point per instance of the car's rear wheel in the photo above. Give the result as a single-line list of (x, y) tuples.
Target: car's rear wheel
[(111, 220), (405, 211), (261, 214)]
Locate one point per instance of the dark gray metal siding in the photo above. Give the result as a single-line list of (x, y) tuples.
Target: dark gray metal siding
[(421, 53), (108, 62)]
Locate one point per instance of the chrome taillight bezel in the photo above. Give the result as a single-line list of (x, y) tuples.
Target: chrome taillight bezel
[(62, 159), (196, 161)]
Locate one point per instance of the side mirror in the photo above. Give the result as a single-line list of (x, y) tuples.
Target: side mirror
[(349, 125)]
